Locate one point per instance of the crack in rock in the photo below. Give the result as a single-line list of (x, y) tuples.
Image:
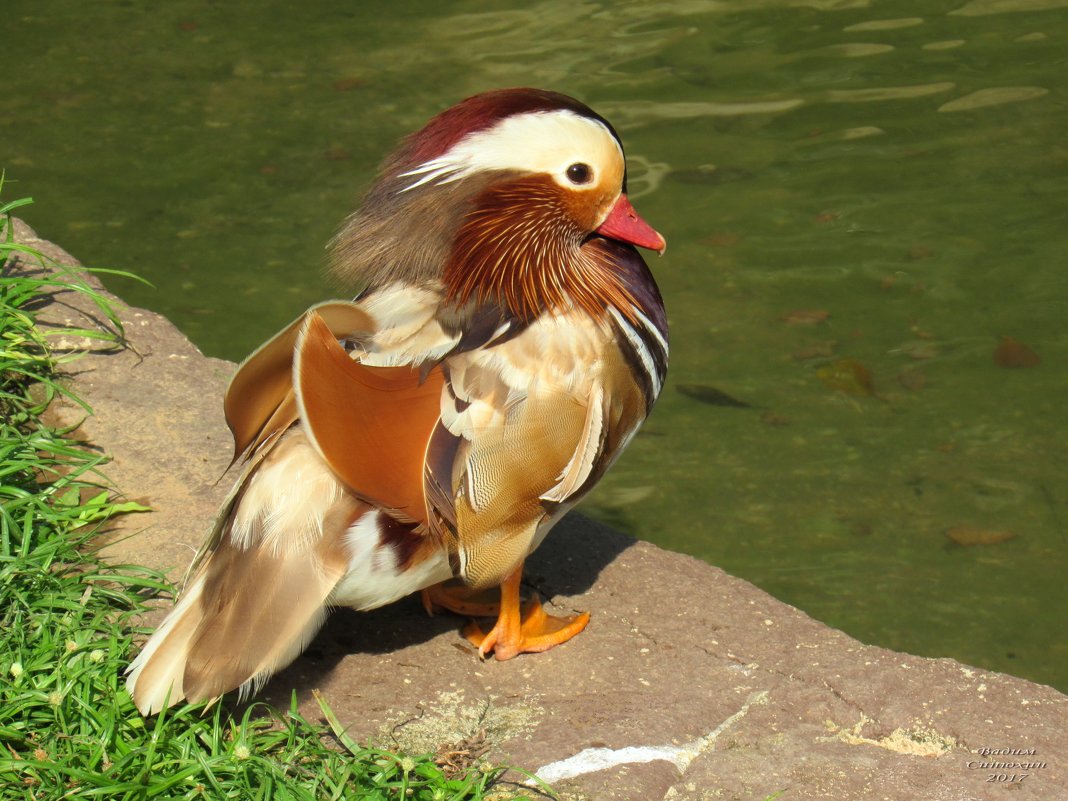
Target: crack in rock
[(590, 760), (806, 681)]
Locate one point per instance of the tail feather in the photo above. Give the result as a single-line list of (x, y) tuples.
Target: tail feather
[(259, 594), (155, 677), (265, 611)]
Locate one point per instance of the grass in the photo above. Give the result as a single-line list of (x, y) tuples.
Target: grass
[(68, 728)]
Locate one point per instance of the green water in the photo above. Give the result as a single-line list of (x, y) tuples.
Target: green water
[(848, 189)]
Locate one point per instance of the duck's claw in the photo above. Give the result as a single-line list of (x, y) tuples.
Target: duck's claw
[(532, 631)]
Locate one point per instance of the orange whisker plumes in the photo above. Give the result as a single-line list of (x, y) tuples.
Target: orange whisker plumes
[(519, 247)]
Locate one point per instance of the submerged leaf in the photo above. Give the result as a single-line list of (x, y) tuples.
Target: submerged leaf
[(816, 350), (968, 535), (805, 317), (848, 376), (1013, 353), (911, 379)]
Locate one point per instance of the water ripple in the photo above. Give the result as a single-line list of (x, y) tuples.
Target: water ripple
[(857, 49), (644, 176), (887, 92), (947, 44), (885, 24), (641, 112), (980, 8), (994, 97)]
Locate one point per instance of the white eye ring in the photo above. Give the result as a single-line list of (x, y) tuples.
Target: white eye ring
[(579, 173)]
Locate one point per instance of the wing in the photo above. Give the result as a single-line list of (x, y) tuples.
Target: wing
[(259, 400), (284, 540), (370, 424), (527, 428), (531, 424)]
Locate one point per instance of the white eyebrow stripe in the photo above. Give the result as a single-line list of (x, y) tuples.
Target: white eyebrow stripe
[(539, 141), (432, 174), (429, 166)]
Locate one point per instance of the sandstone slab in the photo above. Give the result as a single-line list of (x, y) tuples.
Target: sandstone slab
[(688, 684)]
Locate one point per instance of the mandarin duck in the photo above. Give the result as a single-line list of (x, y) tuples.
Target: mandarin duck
[(508, 343)]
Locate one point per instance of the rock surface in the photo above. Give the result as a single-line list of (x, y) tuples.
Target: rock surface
[(688, 683)]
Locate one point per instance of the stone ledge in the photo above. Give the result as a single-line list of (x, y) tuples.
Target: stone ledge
[(688, 684)]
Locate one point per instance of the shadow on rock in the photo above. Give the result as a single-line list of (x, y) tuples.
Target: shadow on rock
[(567, 563)]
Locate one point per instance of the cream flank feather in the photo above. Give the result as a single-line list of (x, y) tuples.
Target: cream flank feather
[(508, 346)]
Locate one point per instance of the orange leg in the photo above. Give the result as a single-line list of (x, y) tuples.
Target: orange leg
[(519, 632)]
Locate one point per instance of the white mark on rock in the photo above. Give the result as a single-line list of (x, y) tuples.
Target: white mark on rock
[(590, 760)]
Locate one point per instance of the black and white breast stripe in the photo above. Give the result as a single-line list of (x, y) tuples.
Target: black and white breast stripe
[(645, 348), (642, 328)]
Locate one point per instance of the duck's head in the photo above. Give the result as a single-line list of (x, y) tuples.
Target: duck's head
[(502, 197)]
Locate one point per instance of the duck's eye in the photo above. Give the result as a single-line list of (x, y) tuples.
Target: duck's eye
[(579, 173)]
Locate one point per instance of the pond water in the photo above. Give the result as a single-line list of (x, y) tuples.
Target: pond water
[(866, 279)]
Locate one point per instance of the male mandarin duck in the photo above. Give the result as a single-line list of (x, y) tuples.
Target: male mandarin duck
[(509, 343)]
